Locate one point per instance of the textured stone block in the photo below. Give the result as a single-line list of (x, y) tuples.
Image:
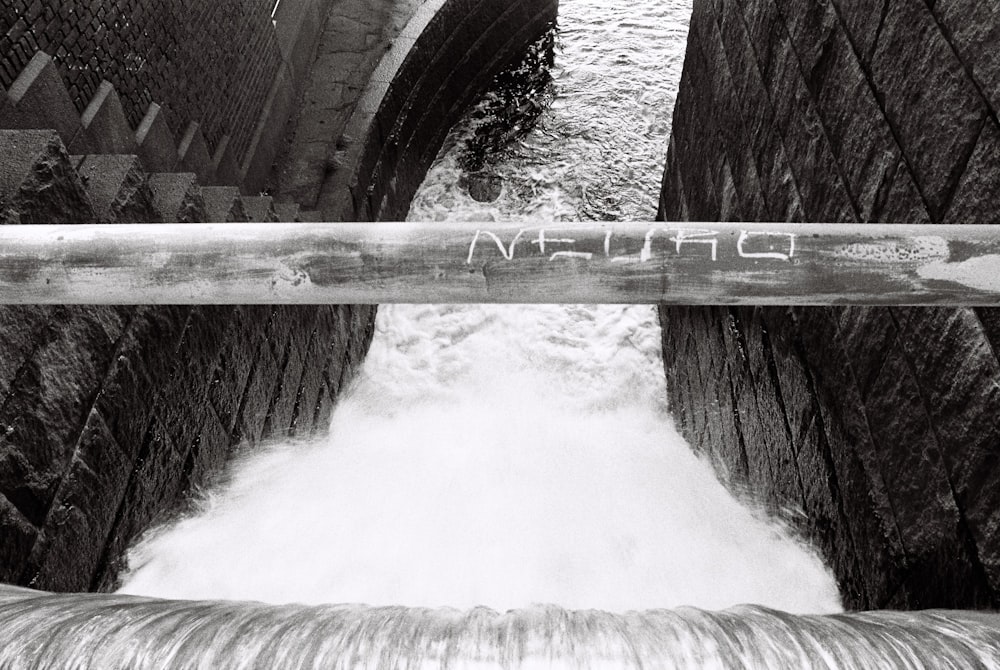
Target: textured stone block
[(187, 389), (118, 188), (47, 406), (778, 185), (225, 168), (40, 101), (286, 212), (913, 470), (209, 456), (823, 193), (37, 181), (6, 110), (282, 411), (973, 29), (860, 137), (145, 355), (935, 108), (977, 199), (863, 20), (858, 478), (790, 371), (193, 155), (152, 488), (104, 129), (19, 325), (904, 203), (17, 537), (266, 133), (156, 145), (235, 362), (310, 386), (868, 334), (257, 399), (223, 204), (827, 524), (290, 323), (811, 27), (260, 209), (737, 72), (71, 546), (957, 369), (177, 197)]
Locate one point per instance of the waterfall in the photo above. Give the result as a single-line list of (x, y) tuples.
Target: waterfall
[(489, 456), (117, 631)]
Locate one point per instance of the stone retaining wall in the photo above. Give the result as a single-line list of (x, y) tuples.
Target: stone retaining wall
[(222, 73), (882, 424), (111, 414)]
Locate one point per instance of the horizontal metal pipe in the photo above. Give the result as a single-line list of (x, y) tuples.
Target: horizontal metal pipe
[(654, 262)]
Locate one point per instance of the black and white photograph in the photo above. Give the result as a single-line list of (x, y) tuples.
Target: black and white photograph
[(499, 334)]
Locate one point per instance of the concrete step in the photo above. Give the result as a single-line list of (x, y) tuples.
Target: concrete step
[(223, 204), (193, 156), (38, 182), (104, 127), (38, 100), (259, 208), (225, 167), (118, 188), (155, 142), (177, 197)]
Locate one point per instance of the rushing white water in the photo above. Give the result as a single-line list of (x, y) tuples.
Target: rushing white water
[(498, 457), (114, 631), (505, 456)]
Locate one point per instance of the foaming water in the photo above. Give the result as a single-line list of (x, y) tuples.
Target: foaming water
[(489, 457), (598, 151)]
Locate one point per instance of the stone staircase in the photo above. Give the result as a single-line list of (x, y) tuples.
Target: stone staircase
[(58, 166)]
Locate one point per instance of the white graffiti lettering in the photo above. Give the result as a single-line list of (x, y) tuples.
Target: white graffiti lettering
[(698, 236), (507, 253), (773, 245), (542, 240), (585, 255), (747, 234)]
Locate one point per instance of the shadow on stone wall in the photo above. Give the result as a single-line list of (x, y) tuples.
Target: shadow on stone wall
[(882, 424)]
